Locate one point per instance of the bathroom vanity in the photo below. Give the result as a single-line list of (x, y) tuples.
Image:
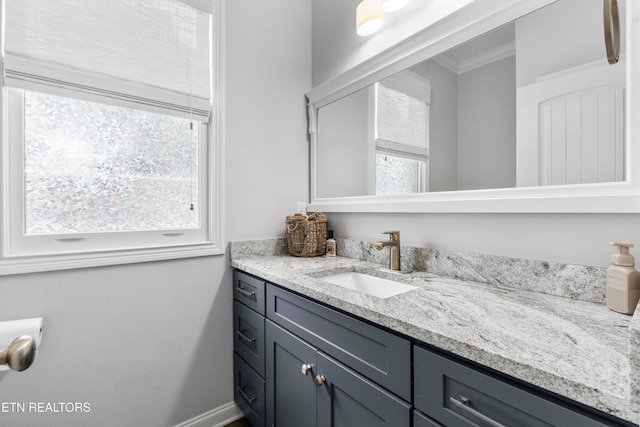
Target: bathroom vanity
[(322, 354), (453, 350)]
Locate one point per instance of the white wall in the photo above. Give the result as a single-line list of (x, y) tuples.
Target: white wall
[(576, 238), (151, 344)]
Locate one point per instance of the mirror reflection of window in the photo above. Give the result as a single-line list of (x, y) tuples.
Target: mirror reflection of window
[(399, 175), (402, 134)]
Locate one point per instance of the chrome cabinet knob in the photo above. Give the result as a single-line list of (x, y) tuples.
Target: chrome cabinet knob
[(320, 379), (306, 369)]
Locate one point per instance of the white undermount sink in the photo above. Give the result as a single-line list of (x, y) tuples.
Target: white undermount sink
[(370, 285)]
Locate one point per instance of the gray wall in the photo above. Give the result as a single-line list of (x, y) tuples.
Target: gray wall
[(344, 146), (125, 339), (443, 125), (487, 126), (472, 128), (546, 46), (576, 238), (268, 73), (150, 344)]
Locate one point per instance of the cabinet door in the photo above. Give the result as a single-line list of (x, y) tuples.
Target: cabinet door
[(347, 399), (291, 394)]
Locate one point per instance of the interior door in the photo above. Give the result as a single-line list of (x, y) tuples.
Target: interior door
[(570, 127)]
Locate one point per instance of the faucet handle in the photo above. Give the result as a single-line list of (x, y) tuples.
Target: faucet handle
[(394, 235)]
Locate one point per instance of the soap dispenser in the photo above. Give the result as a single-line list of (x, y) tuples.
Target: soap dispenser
[(623, 281), (331, 244)]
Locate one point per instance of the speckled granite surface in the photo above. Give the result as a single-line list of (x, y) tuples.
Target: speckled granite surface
[(573, 281), (578, 349)]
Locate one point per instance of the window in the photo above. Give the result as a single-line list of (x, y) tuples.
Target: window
[(399, 175), (402, 134), (105, 164), (91, 168)]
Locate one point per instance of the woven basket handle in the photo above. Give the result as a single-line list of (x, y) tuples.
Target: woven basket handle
[(294, 221), (295, 226)]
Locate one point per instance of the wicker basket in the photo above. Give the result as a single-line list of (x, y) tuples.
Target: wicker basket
[(307, 235)]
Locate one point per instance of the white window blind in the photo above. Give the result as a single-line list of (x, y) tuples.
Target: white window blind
[(152, 53), (402, 122)]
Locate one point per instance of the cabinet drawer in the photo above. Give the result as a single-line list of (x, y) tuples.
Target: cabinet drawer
[(379, 355), (457, 395), (421, 420), (248, 392), (249, 290), (248, 342)]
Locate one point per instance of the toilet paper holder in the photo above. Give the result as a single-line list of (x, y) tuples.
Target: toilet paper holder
[(19, 343), (20, 354)]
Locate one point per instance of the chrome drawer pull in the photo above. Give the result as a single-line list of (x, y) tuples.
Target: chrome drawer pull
[(245, 293), (464, 406), (246, 338), (244, 395)]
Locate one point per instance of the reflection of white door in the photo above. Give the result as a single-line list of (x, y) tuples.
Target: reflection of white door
[(581, 138), (571, 127)]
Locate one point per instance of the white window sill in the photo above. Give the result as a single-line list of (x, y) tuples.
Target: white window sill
[(42, 263)]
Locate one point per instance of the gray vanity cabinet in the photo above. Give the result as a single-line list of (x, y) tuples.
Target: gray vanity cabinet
[(318, 365), (379, 355), (249, 345), (299, 363), (306, 387)]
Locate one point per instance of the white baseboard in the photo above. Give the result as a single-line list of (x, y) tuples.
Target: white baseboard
[(218, 417)]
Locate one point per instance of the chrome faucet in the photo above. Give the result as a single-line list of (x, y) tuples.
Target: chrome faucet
[(394, 251)]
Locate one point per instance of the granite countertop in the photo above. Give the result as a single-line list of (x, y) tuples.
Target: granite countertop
[(577, 349)]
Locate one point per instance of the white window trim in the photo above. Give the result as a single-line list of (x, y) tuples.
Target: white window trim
[(213, 223)]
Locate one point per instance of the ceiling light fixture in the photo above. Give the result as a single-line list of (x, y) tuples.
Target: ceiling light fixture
[(368, 17), (393, 5)]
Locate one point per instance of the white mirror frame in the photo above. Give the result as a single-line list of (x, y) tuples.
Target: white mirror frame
[(473, 20)]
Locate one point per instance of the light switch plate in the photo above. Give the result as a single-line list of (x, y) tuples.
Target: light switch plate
[(301, 207)]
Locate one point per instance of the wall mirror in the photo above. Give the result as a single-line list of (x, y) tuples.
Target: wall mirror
[(489, 110)]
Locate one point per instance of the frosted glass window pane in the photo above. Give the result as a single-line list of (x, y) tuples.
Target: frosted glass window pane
[(92, 167), (397, 175)]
